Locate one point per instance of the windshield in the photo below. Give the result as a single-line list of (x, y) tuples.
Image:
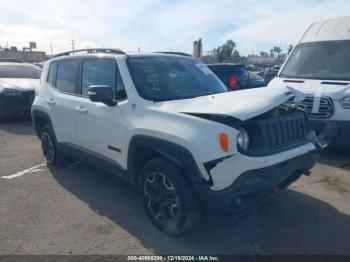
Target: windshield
[(329, 60), (164, 78), (254, 76), (19, 71)]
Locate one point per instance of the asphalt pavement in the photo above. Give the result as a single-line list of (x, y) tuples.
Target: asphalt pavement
[(81, 209)]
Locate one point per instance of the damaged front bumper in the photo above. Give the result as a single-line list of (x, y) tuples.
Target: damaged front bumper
[(253, 186), (333, 133)]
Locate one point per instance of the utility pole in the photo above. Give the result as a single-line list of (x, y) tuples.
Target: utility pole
[(73, 44), (51, 49), (139, 49)]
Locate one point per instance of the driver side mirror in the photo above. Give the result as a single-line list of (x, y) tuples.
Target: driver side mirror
[(102, 93)]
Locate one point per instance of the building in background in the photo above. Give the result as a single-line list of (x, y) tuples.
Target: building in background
[(211, 57), (198, 48), (26, 55)]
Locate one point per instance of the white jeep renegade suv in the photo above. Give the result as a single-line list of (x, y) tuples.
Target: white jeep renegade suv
[(168, 125)]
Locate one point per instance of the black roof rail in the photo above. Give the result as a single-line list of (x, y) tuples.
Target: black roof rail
[(174, 53), (91, 51)]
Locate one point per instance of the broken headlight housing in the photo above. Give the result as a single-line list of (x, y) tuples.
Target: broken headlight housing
[(243, 139), (345, 102)]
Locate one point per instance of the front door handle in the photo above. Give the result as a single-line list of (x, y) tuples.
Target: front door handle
[(51, 101), (81, 109)]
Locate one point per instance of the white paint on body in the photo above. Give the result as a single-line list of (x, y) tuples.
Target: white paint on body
[(317, 101)]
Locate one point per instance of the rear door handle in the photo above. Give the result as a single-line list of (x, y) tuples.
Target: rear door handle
[(51, 101), (81, 109)]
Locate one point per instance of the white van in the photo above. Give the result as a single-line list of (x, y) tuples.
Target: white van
[(319, 66)]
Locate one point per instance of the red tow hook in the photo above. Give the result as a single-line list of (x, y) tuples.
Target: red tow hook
[(307, 173)]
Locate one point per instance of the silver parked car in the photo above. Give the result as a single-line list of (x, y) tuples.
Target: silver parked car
[(17, 86)]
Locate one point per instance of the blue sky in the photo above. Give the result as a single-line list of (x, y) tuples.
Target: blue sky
[(162, 25)]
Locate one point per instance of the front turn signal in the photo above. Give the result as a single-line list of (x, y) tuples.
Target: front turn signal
[(223, 139)]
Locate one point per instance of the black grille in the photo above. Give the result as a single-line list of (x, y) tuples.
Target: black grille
[(19, 104), (326, 109), (285, 132), (277, 134)]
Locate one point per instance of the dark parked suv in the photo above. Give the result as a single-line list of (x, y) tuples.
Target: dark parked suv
[(236, 76)]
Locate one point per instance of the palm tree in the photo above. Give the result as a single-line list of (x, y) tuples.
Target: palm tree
[(277, 50)]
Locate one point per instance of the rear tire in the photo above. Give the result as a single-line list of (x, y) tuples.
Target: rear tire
[(169, 200), (53, 156)]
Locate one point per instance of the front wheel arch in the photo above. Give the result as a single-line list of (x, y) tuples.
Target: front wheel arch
[(157, 147)]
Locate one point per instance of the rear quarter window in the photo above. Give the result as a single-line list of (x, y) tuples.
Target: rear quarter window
[(52, 73)]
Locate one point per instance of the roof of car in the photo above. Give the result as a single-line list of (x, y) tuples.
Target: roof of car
[(158, 54), (90, 51), (15, 63), (227, 64), (327, 30), (68, 55), (174, 53)]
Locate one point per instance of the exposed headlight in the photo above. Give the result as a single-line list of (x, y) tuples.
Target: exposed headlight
[(345, 102), (243, 139), (12, 92)]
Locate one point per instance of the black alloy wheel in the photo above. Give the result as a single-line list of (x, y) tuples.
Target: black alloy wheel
[(161, 198)]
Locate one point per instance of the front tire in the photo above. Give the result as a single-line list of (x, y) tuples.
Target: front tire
[(53, 156), (169, 201)]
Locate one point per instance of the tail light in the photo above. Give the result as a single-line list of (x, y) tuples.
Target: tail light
[(233, 82)]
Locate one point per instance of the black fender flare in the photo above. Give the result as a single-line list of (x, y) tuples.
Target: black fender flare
[(37, 113), (178, 154)]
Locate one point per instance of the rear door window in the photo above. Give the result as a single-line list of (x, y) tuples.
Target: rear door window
[(67, 76)]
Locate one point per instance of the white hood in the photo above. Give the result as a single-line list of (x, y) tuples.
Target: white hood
[(314, 87), (23, 84), (243, 105)]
